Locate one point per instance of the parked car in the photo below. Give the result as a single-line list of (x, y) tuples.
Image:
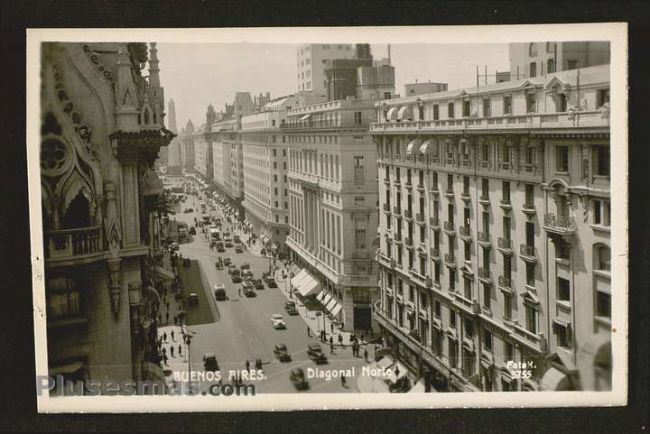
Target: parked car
[(231, 267), (236, 239), (278, 322), (247, 274), (280, 352), (290, 307), (228, 242), (220, 292), (270, 281), (238, 248), (192, 230), (245, 266), (235, 276), (257, 283), (315, 353), (297, 377), (247, 289), (210, 362), (188, 210), (193, 299), (226, 262), (187, 262), (220, 247)]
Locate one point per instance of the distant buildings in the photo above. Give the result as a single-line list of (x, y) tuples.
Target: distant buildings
[(528, 60), (311, 61), (413, 89)]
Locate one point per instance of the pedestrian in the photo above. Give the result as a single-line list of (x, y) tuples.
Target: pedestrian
[(239, 291), (308, 331), (164, 336), (340, 339), (343, 384), (331, 347), (248, 365), (171, 351), (365, 354), (172, 333), (331, 340), (180, 350), (331, 327), (165, 359)]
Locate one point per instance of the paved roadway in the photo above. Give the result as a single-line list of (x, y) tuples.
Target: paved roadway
[(243, 330)]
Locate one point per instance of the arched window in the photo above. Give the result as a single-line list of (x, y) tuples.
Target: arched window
[(550, 47), (602, 258), (532, 49)]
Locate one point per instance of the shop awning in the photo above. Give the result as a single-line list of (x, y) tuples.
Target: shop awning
[(427, 147), (321, 296), (309, 286), (298, 278), (69, 368), (553, 380), (392, 114), (413, 144), (335, 311), (327, 299), (330, 305), (165, 272), (405, 113)]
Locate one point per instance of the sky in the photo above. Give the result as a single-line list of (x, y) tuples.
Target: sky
[(198, 74)]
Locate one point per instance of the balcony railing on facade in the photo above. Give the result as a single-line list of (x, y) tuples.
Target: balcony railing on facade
[(434, 223), (74, 244), (485, 275), (527, 253), (449, 228), (322, 124), (559, 224), (484, 239), (505, 283), (592, 118), (505, 246), (465, 232)]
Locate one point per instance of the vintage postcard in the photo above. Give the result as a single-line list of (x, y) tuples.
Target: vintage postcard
[(328, 218)]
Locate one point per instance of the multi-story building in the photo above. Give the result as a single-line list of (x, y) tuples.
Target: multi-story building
[(188, 155), (102, 128), (311, 64), (495, 216), (528, 60), (414, 89), (174, 161), (333, 207), (266, 198)]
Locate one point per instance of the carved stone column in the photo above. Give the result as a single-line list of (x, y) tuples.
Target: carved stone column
[(115, 284)]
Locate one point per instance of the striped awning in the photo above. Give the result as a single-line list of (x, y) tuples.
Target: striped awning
[(295, 281), (336, 309), (413, 144), (329, 306), (309, 286), (392, 114), (405, 113), (427, 147)]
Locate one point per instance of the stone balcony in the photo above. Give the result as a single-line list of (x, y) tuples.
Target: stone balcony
[(560, 225), (74, 246), (505, 246)]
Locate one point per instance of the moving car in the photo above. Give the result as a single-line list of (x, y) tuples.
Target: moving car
[(235, 276), (231, 267), (315, 353), (257, 283), (226, 262), (245, 266), (220, 247), (188, 210), (290, 307), (278, 322), (192, 230), (297, 377), (247, 274), (280, 352), (218, 265), (220, 292), (210, 362), (238, 248), (193, 299), (236, 239), (247, 289)]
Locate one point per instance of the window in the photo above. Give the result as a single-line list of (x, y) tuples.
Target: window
[(436, 113), (560, 102), (603, 258), (452, 280), (507, 105), (275, 178), (487, 108), (467, 285), (360, 238), (507, 306), (530, 196), (386, 95), (487, 296), (562, 159), (505, 189), (601, 213), (601, 160), (602, 97), (563, 334), (466, 108), (421, 112), (531, 318), (485, 188), (357, 118), (603, 304), (452, 319), (63, 298), (531, 103), (487, 340), (466, 185), (532, 49), (563, 289), (450, 110), (550, 66), (436, 309), (358, 169), (572, 64), (532, 70)]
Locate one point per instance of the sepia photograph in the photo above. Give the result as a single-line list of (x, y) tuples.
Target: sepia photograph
[(317, 218)]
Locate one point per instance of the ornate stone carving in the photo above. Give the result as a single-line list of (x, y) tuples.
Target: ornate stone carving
[(115, 284)]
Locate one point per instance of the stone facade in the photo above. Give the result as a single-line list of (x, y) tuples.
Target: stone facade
[(495, 232), (102, 128)]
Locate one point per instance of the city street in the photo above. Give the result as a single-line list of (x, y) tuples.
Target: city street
[(243, 330)]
